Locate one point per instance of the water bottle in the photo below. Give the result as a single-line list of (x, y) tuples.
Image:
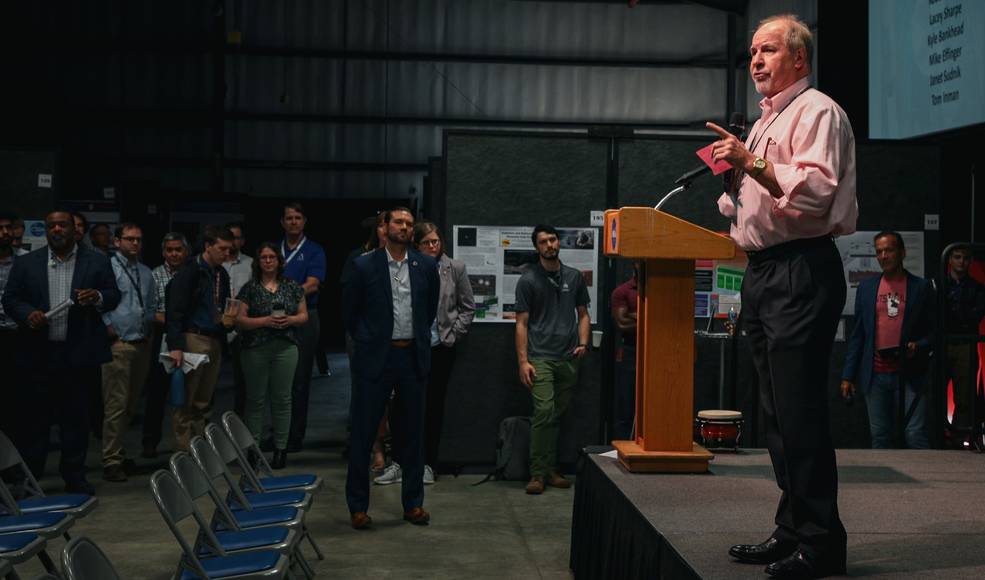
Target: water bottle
[(178, 388)]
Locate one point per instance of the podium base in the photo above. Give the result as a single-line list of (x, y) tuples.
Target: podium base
[(637, 460)]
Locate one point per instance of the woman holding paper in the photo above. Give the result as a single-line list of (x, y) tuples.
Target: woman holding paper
[(272, 307)]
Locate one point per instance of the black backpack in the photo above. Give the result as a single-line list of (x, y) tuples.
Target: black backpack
[(512, 451)]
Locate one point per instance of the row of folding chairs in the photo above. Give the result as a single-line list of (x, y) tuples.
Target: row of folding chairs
[(82, 559), (256, 527), (29, 523)]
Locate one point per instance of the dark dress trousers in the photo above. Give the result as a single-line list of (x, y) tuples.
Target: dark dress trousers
[(792, 298), (380, 367), (58, 372)]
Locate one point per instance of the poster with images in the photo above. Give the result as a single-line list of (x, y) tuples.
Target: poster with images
[(496, 256), (858, 257)]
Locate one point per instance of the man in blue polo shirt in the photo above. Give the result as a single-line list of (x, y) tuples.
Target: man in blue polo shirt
[(304, 262)]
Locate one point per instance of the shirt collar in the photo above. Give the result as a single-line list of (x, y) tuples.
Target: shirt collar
[(287, 247), (776, 103), (203, 264), (391, 259), (53, 258)]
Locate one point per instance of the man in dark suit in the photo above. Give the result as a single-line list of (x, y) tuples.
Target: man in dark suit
[(57, 295), (890, 346), (390, 300)]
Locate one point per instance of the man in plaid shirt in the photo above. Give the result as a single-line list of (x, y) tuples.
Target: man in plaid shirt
[(175, 250)]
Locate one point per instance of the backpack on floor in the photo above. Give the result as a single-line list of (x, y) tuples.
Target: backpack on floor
[(512, 451)]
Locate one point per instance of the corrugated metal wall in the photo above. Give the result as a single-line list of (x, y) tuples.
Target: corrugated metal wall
[(334, 98)]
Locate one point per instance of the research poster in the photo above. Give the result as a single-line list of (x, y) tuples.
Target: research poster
[(496, 256)]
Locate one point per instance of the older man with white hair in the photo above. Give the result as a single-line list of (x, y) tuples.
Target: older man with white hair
[(793, 190)]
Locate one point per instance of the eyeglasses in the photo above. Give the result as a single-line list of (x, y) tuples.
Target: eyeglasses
[(430, 242), (132, 239)]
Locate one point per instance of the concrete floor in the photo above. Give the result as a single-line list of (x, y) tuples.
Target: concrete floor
[(490, 531)]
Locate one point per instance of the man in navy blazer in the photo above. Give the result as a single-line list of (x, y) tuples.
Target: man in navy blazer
[(59, 351), (389, 301), (890, 346)]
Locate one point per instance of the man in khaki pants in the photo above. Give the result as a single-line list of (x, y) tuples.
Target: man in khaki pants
[(129, 327), (194, 323)]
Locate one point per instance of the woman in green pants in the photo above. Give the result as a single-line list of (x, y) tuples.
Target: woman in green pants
[(272, 309)]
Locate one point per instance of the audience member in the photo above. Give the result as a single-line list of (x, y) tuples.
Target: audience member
[(95, 386), (304, 262), (889, 349), (456, 307), (390, 299), (81, 226), (624, 304), (271, 310), (377, 239), (240, 268), (8, 328), (964, 300), (175, 250), (194, 323), (18, 237), (100, 238), (552, 333), (56, 296), (129, 326)]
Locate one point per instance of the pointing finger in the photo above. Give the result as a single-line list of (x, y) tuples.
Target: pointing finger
[(721, 132)]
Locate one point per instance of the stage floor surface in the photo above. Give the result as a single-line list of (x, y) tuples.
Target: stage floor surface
[(909, 513)]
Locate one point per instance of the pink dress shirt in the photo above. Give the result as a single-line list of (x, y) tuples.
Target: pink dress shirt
[(812, 150)]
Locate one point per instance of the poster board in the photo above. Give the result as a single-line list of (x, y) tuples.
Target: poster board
[(858, 258), (496, 256)]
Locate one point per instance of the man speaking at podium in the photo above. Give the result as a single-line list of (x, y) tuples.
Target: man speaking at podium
[(793, 190)]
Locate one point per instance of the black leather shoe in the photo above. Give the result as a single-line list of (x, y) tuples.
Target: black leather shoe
[(800, 565), (279, 460), (772, 550)]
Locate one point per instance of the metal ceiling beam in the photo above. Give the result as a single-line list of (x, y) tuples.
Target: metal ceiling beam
[(472, 58)]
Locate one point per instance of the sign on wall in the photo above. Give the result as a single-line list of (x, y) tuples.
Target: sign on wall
[(496, 256)]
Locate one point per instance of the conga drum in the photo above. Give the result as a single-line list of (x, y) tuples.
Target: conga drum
[(718, 429)]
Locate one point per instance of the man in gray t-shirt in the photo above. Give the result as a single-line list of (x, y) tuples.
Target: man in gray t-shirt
[(552, 330)]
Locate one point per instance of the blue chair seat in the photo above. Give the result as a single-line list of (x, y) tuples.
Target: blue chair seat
[(265, 517), (78, 503), (286, 482), (16, 542), (20, 547), (247, 539), (265, 500), (235, 565), (29, 522)]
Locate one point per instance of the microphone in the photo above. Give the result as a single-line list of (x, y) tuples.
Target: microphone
[(736, 126)]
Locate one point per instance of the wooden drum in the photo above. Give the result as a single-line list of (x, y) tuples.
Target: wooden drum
[(718, 429)]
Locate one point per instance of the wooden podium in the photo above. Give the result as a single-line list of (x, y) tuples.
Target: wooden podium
[(667, 247)]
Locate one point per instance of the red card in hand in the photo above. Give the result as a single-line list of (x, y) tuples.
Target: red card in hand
[(717, 167)]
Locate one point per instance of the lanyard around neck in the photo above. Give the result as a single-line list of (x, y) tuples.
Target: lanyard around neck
[(760, 134), (135, 282), (283, 250)]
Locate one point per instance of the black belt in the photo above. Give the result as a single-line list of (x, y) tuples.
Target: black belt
[(138, 341), (787, 248)]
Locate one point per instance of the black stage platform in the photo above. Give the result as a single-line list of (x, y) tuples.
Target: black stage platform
[(909, 514)]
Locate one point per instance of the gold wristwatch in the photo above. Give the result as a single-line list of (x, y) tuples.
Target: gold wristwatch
[(758, 166)]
